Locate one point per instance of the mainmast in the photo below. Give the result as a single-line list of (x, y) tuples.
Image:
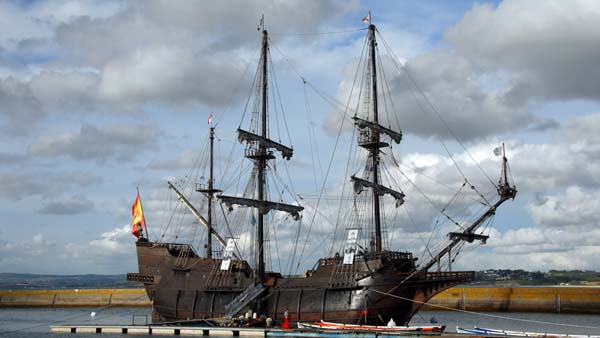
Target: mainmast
[(375, 140), (259, 150), (262, 163), (370, 139)]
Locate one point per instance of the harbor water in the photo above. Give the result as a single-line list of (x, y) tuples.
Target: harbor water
[(35, 322)]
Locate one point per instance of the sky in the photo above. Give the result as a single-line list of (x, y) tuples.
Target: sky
[(98, 98)]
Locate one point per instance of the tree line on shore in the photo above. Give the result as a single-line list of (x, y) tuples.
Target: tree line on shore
[(20, 281), (550, 277)]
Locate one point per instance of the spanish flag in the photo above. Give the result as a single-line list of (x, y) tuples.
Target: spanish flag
[(138, 223)]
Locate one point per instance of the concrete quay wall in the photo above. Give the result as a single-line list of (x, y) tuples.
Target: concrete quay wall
[(558, 299), (74, 298), (481, 299)]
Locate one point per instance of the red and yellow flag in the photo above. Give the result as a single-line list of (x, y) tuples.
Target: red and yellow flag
[(138, 223)]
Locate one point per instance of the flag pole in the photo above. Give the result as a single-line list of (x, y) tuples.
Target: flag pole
[(142, 209)]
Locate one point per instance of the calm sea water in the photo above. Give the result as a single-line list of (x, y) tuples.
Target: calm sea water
[(36, 322)]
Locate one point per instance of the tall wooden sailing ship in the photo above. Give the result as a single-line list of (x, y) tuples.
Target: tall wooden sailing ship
[(366, 284)]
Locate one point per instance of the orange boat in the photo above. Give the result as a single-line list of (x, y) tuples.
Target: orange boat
[(322, 325)]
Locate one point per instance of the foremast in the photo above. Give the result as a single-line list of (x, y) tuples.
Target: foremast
[(259, 149)]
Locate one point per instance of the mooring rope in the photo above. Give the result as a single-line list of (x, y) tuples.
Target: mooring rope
[(485, 314)]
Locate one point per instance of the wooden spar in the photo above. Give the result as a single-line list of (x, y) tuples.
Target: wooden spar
[(262, 164), (210, 193), (259, 150), (505, 191), (377, 128), (263, 206), (286, 152), (373, 145), (210, 197), (197, 214), (375, 140), (378, 189)]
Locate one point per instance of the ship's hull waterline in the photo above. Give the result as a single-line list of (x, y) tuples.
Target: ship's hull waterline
[(187, 287)]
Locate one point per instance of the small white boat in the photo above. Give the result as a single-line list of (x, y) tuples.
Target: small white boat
[(322, 325), (484, 331)]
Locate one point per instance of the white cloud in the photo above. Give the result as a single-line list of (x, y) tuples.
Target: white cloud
[(537, 248), (550, 46), (185, 160), (458, 92), (65, 89), (110, 252), (64, 11), (583, 129), (117, 141), (14, 253), (39, 240), (20, 110), (114, 242), (70, 206), (118, 56), (499, 62), (49, 185), (167, 51), (140, 77), (576, 207), (19, 26), (90, 61)]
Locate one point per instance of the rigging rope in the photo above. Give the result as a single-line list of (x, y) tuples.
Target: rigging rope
[(320, 33), (326, 175), (433, 109), (389, 92), (252, 88), (482, 314), (230, 232), (426, 197), (277, 93), (351, 147)]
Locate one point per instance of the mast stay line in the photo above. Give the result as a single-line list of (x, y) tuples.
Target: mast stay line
[(194, 211)]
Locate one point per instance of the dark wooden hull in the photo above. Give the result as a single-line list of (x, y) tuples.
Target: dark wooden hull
[(185, 287)]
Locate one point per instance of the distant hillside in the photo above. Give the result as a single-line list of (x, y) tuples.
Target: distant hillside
[(21, 281), (552, 277)]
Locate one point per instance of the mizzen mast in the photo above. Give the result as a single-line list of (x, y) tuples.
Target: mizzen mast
[(210, 193)]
